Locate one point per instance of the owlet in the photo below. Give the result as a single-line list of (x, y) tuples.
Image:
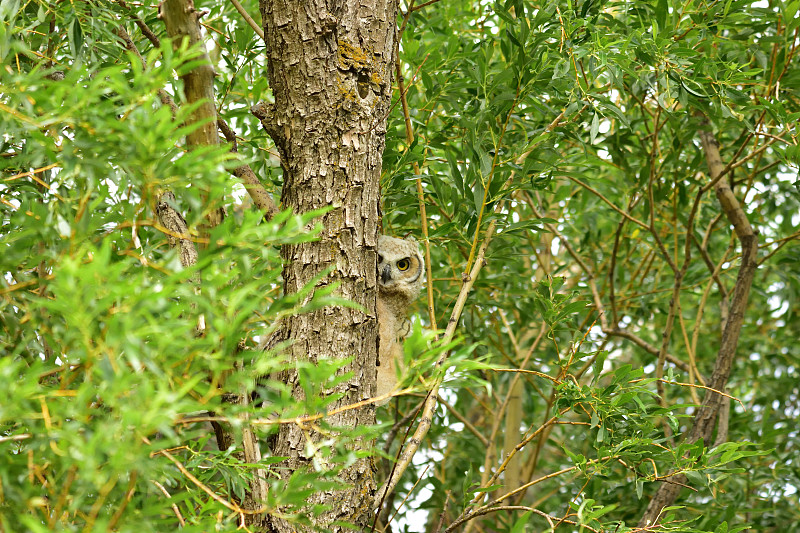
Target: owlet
[(400, 276)]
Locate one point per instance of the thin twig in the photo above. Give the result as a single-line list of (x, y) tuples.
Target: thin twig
[(14, 438), (128, 495), (609, 202), (246, 16), (214, 496), (420, 192), (174, 507), (410, 492), (163, 95), (143, 27), (467, 424), (444, 512), (422, 5)]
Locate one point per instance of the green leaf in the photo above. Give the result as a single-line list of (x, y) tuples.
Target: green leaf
[(489, 489), (519, 525), (595, 127)]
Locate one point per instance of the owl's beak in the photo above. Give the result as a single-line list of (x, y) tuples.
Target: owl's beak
[(386, 274)]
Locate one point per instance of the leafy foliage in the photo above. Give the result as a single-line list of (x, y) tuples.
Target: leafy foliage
[(563, 136), (110, 381), (573, 128)]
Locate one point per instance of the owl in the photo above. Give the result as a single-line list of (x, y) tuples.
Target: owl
[(400, 277)]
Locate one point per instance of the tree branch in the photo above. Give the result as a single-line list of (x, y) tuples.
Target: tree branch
[(252, 184), (707, 414), (426, 419), (247, 18), (182, 22)]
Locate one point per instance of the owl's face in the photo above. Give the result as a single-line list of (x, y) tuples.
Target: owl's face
[(400, 266)]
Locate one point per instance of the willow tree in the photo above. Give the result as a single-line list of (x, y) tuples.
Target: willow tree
[(633, 169), (330, 72), (144, 150), (605, 193)]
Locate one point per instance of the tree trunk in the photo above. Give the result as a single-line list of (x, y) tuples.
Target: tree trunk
[(330, 73)]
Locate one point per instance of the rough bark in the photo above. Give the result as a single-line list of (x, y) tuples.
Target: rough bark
[(330, 74), (709, 410)]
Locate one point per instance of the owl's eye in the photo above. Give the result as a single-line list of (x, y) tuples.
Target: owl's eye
[(403, 264)]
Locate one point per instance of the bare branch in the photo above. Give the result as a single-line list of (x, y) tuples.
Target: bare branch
[(246, 16)]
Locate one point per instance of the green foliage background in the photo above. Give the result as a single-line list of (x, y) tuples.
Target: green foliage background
[(541, 122)]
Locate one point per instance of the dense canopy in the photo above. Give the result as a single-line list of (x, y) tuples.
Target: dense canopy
[(606, 194)]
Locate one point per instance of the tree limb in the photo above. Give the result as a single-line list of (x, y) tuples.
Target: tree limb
[(247, 18), (182, 21), (708, 411), (252, 184)]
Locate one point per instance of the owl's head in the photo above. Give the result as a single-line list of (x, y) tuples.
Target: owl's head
[(400, 266)]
